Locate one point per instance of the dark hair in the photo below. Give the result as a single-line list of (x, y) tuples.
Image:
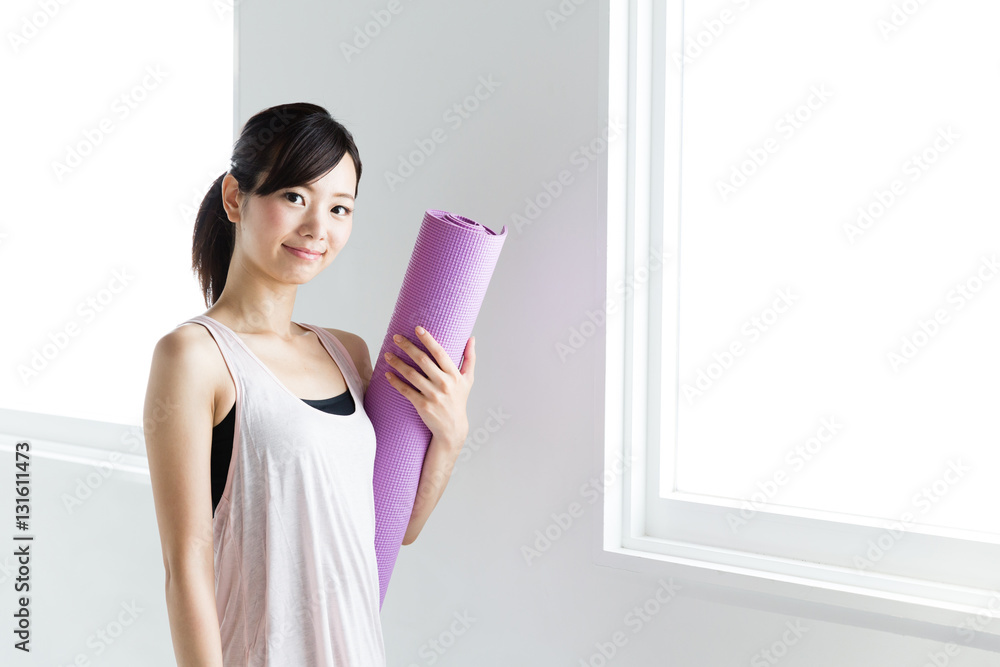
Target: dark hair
[(290, 144)]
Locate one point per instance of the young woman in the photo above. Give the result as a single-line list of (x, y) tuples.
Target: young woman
[(261, 457)]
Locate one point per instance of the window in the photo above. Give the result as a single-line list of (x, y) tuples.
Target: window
[(120, 127), (802, 313)]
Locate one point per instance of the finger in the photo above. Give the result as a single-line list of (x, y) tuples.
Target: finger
[(409, 372), (418, 356), (444, 362), (440, 363), (469, 358), (403, 388)]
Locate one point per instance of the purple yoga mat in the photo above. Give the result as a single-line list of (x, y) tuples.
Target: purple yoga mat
[(450, 268)]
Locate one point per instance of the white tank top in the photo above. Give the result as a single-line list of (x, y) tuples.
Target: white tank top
[(296, 578)]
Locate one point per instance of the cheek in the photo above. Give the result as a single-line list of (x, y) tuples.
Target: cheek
[(272, 212), (271, 221), (339, 236)]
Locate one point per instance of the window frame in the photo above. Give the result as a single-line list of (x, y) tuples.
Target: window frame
[(634, 77)]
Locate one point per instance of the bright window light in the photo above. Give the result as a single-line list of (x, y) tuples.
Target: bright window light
[(119, 116)]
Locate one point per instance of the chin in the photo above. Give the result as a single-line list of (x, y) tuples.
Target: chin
[(305, 275)]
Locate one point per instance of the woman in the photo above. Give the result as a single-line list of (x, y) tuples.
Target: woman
[(262, 469)]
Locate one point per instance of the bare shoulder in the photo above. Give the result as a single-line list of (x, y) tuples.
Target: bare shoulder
[(188, 356), (186, 344), (358, 349)]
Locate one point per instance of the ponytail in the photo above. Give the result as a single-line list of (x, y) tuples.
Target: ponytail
[(214, 239)]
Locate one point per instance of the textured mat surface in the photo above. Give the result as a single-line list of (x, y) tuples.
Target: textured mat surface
[(443, 289)]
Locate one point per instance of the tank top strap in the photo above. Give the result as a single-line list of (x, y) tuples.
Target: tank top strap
[(231, 348), (343, 357)]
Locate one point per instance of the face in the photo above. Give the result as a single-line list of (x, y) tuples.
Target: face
[(293, 234)]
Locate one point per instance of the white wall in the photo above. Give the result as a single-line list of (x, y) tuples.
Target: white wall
[(468, 558)]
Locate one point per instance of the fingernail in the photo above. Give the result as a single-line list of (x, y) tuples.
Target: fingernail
[(420, 330)]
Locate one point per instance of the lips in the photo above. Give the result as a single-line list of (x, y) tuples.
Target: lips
[(303, 253)]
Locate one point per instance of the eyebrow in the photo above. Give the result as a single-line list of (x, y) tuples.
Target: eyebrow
[(335, 194)]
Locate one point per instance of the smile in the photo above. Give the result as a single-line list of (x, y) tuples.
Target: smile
[(302, 254)]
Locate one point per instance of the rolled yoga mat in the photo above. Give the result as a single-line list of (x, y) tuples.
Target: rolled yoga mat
[(450, 268)]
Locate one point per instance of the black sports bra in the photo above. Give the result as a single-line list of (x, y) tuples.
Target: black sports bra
[(224, 432)]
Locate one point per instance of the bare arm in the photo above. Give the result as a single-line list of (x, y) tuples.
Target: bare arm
[(439, 462), (177, 420)]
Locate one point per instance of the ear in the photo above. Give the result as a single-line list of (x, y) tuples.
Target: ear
[(230, 197)]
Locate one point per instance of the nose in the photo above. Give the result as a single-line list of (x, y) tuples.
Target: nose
[(311, 226)]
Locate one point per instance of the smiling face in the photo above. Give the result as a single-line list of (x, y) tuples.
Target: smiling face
[(294, 233)]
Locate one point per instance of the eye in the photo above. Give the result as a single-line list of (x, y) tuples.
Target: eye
[(347, 211)]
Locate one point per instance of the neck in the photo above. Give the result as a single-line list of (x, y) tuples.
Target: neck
[(256, 304)]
